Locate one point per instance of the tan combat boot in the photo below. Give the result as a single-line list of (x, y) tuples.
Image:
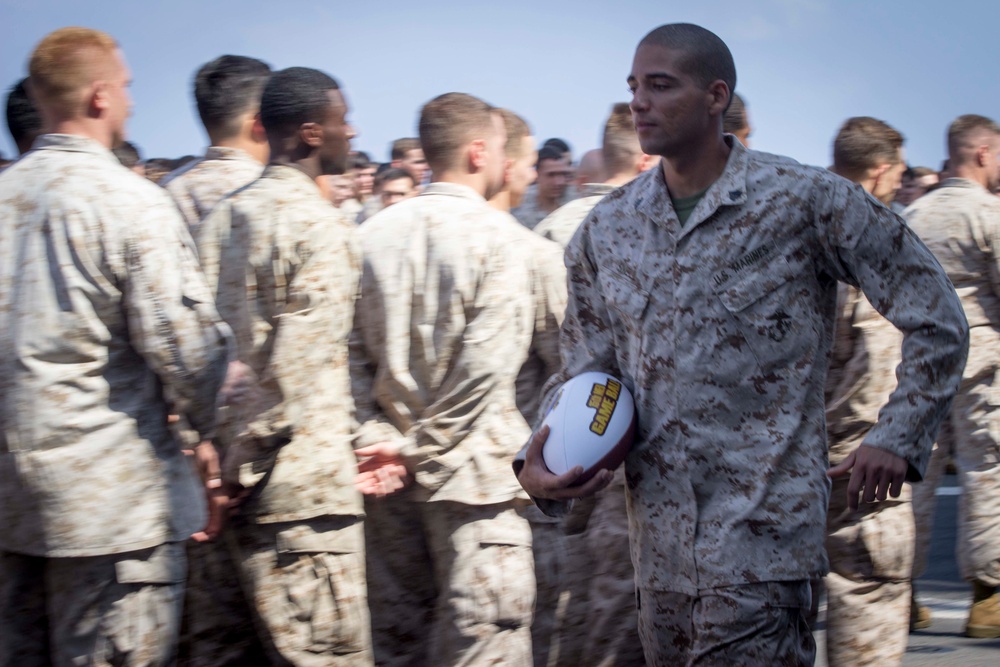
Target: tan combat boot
[(920, 616), (984, 617)]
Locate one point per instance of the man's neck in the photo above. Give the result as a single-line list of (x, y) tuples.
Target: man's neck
[(970, 173), (307, 165), (546, 204), (695, 171), (245, 144), (474, 181), (501, 201), (82, 127)]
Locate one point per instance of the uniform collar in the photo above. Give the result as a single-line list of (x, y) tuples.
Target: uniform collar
[(956, 182), (452, 190), (227, 153), (73, 143), (597, 189), (730, 189), (286, 172)]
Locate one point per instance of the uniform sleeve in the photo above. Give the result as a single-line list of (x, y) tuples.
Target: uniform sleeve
[(871, 247), (172, 318), (320, 272), (492, 346)]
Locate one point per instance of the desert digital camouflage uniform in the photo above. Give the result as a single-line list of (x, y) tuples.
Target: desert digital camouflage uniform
[(561, 224), (350, 208), (201, 184), (727, 491), (528, 213), (600, 577), (548, 293), (443, 325), (102, 307), (285, 269), (871, 549), (960, 223)]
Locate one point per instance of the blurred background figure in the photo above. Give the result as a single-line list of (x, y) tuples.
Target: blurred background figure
[(397, 185), (406, 154), (128, 154), (736, 121), (23, 120)]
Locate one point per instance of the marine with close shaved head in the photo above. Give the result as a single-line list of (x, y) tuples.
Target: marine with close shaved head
[(708, 286)]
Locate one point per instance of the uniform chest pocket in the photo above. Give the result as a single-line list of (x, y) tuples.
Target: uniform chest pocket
[(626, 304), (769, 306)]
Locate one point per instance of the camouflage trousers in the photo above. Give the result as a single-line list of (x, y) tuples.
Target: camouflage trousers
[(102, 610), (548, 546), (868, 588), (971, 438), (279, 594), (612, 619), (751, 625), (449, 583)]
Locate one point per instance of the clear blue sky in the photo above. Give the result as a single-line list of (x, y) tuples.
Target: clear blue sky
[(803, 65)]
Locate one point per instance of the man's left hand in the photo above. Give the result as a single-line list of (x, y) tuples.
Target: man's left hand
[(876, 472)]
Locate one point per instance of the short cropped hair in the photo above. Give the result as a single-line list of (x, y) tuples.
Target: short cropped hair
[(449, 122), (962, 135), (64, 63), (128, 154), (360, 160), (23, 120), (400, 147), (517, 132), (227, 88), (706, 57), (394, 174), (557, 143), (549, 153), (735, 118), (620, 146), (863, 143), (295, 96)]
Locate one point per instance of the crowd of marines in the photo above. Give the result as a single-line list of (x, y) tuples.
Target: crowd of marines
[(276, 407)]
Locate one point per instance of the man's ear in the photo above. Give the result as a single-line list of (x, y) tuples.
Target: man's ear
[(477, 154), (719, 96), (311, 134), (982, 156), (644, 162), (875, 175), (257, 132), (508, 170), (99, 99)]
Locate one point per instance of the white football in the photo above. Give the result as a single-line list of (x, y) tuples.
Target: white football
[(591, 424)]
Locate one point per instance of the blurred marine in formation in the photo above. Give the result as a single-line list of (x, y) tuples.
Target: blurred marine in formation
[(960, 223), (102, 309), (870, 548), (548, 296), (442, 328), (227, 93), (285, 270)]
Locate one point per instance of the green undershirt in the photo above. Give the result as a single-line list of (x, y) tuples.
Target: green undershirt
[(683, 206)]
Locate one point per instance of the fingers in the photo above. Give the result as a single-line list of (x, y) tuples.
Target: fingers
[(597, 482), (370, 450), (843, 468), (854, 486), (535, 445)]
